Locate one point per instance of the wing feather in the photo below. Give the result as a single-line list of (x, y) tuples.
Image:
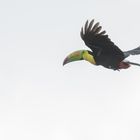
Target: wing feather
[(97, 40), (86, 27), (95, 27), (90, 26), (98, 30)]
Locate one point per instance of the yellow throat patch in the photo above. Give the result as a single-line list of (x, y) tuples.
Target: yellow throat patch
[(88, 57)]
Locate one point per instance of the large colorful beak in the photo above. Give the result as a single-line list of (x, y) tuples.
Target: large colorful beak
[(75, 56)]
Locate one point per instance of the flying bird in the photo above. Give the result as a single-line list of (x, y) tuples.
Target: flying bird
[(102, 50)]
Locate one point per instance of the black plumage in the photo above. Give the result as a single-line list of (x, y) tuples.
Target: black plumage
[(105, 52)]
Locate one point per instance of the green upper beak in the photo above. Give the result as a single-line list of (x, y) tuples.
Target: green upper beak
[(80, 55), (75, 56)]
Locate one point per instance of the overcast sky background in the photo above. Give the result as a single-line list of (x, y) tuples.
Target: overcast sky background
[(42, 100)]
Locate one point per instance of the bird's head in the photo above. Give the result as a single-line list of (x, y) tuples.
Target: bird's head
[(80, 55)]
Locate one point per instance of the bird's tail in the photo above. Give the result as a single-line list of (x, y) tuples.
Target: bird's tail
[(132, 63), (135, 51)]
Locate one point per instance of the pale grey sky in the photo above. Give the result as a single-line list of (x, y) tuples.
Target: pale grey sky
[(39, 98)]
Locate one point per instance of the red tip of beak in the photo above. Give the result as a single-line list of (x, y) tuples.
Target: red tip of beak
[(65, 61)]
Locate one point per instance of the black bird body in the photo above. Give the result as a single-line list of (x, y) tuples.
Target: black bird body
[(105, 52)]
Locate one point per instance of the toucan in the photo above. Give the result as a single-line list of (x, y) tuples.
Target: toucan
[(102, 50)]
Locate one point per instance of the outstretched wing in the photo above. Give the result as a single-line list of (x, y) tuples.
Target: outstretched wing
[(98, 41)]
